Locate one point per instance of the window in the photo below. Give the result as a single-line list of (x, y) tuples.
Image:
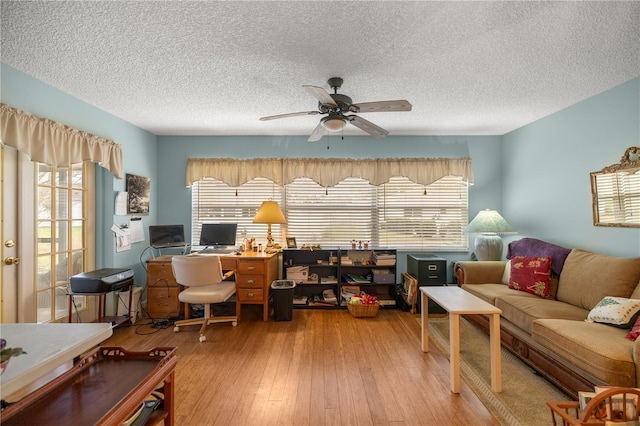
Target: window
[(60, 237), (398, 214), (214, 201)]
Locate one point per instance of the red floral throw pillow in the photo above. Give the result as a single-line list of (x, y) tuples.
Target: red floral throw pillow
[(635, 331), (531, 274)]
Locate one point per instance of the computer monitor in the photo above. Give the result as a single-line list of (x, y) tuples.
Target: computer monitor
[(218, 234), (163, 236)]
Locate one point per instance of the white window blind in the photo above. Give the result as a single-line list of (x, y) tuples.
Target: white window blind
[(397, 214), (415, 216), (618, 198), (333, 216), (214, 201)]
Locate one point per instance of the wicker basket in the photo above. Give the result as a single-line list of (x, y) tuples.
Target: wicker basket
[(363, 310)]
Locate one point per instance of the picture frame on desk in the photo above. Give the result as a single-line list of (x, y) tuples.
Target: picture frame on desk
[(291, 242)]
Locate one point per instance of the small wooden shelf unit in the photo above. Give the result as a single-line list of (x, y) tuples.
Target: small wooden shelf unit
[(334, 268)]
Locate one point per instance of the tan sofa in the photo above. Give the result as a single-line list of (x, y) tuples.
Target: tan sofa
[(551, 334)]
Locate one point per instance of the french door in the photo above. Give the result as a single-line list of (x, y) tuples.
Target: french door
[(18, 302), (46, 215)]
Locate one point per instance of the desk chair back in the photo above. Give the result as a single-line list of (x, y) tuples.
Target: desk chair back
[(197, 270)]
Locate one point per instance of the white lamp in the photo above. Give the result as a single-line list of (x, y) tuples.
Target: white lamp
[(269, 212), (334, 123), (489, 223)]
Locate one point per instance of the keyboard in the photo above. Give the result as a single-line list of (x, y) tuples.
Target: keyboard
[(210, 250)]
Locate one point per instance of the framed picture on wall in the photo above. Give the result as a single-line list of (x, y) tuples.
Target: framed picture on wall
[(291, 242), (139, 190)]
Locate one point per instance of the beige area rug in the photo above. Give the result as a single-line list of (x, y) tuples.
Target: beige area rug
[(524, 394)]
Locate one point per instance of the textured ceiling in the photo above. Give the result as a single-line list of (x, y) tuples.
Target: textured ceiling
[(214, 68)]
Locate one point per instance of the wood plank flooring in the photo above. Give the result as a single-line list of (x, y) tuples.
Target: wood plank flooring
[(322, 368)]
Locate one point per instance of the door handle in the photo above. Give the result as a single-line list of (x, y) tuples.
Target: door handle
[(12, 260)]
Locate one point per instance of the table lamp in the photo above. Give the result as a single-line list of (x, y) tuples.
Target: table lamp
[(489, 223), (269, 212)]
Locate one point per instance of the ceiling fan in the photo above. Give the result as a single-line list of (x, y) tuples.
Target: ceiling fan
[(335, 106)]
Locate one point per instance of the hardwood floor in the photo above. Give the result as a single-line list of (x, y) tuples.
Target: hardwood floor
[(323, 368)]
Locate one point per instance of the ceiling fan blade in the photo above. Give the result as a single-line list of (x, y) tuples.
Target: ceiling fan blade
[(292, 114), (317, 133), (382, 106), (367, 126), (321, 95)]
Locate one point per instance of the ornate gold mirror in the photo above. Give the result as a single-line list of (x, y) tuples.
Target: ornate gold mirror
[(616, 192)]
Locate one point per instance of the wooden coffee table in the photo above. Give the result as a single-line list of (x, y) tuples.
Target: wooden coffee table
[(457, 302)]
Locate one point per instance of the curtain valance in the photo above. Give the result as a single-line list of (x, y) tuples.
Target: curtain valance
[(49, 142), (327, 171)]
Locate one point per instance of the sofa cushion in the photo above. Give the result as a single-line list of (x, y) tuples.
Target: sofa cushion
[(588, 346), (617, 311), (490, 292), (531, 274), (588, 277), (523, 311)]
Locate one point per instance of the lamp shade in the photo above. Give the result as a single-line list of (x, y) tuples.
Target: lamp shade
[(489, 221), (334, 123), (269, 212)]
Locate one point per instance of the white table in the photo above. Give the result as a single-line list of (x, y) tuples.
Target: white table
[(47, 347), (457, 302)]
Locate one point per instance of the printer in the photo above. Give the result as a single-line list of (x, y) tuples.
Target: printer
[(102, 280)]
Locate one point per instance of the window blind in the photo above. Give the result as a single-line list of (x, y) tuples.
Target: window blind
[(214, 201), (396, 214)]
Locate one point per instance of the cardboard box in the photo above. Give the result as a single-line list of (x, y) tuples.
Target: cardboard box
[(298, 273)]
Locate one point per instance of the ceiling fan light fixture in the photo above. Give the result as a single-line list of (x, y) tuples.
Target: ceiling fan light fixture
[(334, 124)]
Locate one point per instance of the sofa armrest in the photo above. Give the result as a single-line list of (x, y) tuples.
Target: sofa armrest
[(484, 272)]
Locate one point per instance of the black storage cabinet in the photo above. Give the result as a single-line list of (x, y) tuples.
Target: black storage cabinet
[(282, 291), (429, 270)]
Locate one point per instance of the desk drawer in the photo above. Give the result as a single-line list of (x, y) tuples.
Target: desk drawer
[(251, 281), (163, 302), (160, 275), (250, 268), (228, 264), (250, 295)]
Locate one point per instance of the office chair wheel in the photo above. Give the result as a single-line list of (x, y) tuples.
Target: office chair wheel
[(176, 329), (202, 338), (234, 323)]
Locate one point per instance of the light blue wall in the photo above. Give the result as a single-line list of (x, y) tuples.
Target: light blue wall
[(546, 184), (174, 203), (139, 156), (536, 176)]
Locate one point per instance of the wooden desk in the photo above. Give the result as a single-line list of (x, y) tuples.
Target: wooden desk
[(255, 271), (457, 302), (48, 346)]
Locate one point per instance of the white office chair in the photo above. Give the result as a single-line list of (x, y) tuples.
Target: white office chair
[(203, 277)]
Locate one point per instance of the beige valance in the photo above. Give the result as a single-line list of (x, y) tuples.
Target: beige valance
[(49, 142), (327, 171)]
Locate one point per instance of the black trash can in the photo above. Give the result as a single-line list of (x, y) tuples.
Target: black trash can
[(283, 299)]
